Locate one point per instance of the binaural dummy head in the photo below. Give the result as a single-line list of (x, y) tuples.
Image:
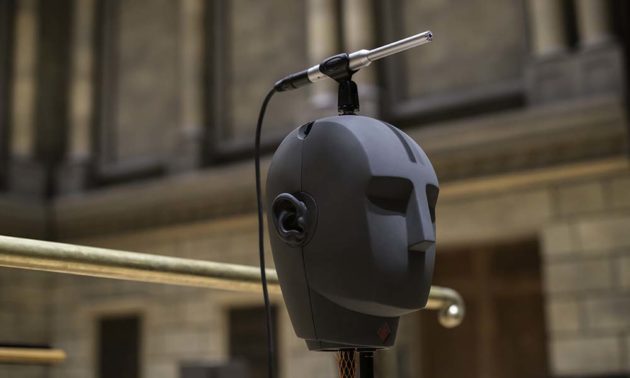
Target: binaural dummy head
[(351, 206)]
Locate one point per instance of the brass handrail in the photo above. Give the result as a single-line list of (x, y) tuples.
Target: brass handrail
[(31, 356), (108, 263)]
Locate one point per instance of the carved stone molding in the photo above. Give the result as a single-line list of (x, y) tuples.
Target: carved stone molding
[(590, 72), (513, 142), (537, 137)]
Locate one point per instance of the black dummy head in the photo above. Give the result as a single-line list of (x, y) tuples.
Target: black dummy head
[(351, 206)]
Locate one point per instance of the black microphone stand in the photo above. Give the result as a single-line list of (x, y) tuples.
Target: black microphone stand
[(366, 364)]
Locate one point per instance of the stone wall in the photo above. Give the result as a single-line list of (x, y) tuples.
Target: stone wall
[(178, 324), (582, 222), (25, 315), (587, 253), (583, 225)]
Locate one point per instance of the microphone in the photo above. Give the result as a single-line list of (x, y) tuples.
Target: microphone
[(342, 66)]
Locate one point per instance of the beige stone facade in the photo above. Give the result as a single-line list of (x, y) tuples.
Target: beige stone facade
[(150, 151)]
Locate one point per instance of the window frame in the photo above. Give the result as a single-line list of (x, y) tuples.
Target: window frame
[(452, 104), (104, 172), (247, 310), (99, 321), (218, 147)]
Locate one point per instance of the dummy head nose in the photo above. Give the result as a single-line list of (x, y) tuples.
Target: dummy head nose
[(421, 219)]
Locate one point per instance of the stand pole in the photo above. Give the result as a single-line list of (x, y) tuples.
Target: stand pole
[(347, 97), (366, 364)]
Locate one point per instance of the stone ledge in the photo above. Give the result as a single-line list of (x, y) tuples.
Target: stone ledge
[(229, 189), (207, 194), (524, 139), (19, 217)]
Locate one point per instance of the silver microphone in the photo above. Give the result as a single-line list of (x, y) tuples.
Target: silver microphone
[(353, 61)]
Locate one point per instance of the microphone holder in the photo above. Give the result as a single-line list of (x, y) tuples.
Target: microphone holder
[(338, 67), (347, 97)]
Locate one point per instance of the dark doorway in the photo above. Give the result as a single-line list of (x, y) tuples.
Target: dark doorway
[(503, 334), (248, 339), (119, 347)]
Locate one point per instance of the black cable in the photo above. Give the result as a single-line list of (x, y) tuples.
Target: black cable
[(261, 235)]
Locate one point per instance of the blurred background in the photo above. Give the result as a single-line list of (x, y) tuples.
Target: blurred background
[(129, 124)]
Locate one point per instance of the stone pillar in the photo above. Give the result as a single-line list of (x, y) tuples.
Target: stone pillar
[(25, 175), (73, 173), (81, 85), (188, 149), (547, 26), (359, 33), (551, 76), (555, 75), (593, 22), (600, 61), (322, 34), (24, 80)]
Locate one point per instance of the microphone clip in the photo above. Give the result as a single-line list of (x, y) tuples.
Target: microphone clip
[(337, 67)]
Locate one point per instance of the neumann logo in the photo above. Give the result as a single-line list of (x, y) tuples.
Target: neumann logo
[(383, 332)]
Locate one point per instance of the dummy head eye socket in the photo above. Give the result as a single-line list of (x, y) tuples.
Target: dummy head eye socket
[(390, 193)]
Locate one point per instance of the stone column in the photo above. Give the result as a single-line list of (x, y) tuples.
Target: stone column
[(551, 75), (72, 172), (187, 152), (81, 84), (600, 60), (322, 34), (547, 27), (359, 33), (24, 80), (593, 22), (25, 176)]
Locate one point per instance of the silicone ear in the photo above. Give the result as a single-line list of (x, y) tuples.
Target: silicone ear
[(291, 219)]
